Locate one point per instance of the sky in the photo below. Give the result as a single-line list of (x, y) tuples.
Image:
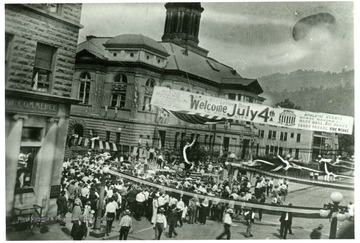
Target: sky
[(255, 38)]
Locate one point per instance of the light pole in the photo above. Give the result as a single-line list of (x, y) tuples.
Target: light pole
[(98, 232), (334, 212)]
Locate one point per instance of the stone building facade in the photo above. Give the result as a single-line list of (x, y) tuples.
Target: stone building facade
[(40, 48), (114, 80), (115, 77)]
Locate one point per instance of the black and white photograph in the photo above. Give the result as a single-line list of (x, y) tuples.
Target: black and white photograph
[(181, 120)]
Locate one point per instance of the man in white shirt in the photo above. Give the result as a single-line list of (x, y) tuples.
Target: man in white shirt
[(160, 224), (125, 225), (180, 207), (110, 214), (227, 224), (140, 199)]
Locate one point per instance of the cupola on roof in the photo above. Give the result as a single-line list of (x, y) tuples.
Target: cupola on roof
[(136, 41)]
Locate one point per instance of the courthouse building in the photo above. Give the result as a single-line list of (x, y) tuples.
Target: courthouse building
[(40, 48), (114, 80)]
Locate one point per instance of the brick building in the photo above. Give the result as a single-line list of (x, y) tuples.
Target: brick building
[(40, 48)]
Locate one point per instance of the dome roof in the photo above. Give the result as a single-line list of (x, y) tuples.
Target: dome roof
[(135, 41)]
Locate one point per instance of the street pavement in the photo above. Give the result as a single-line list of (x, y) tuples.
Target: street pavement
[(268, 228)]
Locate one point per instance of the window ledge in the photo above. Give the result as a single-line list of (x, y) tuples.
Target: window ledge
[(24, 190), (113, 108), (148, 112), (82, 104)]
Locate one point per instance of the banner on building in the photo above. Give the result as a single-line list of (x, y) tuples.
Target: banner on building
[(217, 109)]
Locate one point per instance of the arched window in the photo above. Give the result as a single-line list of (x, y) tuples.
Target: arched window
[(149, 88), (118, 91), (182, 88), (150, 83), (84, 90)]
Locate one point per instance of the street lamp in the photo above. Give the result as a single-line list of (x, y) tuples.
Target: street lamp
[(334, 212), (97, 232)]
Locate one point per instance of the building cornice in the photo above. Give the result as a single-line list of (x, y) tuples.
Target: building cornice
[(46, 14), (40, 96)]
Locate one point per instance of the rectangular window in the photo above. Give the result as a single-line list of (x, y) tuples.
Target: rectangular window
[(296, 153), (31, 134), (267, 149), (162, 138), (26, 168), (239, 97), (280, 151), (176, 139), (270, 135), (298, 137), (232, 96), (183, 137), (276, 149), (107, 138), (43, 68), (290, 151), (271, 149), (261, 133), (118, 100), (205, 139), (283, 136), (226, 142), (257, 149), (292, 135), (274, 135), (84, 92), (211, 141), (52, 7), (118, 135)]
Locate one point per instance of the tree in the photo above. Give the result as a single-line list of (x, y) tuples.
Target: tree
[(346, 144), (287, 104)]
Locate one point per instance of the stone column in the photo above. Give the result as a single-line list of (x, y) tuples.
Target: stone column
[(58, 159), (12, 150), (45, 166)]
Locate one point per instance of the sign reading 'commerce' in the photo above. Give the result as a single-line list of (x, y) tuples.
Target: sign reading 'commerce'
[(213, 107), (31, 106)]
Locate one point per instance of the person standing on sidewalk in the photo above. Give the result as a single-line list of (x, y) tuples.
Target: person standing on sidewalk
[(173, 218), (160, 224), (125, 225), (110, 214), (249, 217), (180, 208), (285, 222), (261, 200), (227, 224), (62, 208)]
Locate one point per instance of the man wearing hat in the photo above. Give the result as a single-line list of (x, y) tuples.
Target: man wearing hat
[(125, 225), (160, 224), (227, 224), (316, 233)]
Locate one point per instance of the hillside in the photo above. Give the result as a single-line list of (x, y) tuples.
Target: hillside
[(312, 90)]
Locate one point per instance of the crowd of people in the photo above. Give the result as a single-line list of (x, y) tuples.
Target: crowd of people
[(81, 188)]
